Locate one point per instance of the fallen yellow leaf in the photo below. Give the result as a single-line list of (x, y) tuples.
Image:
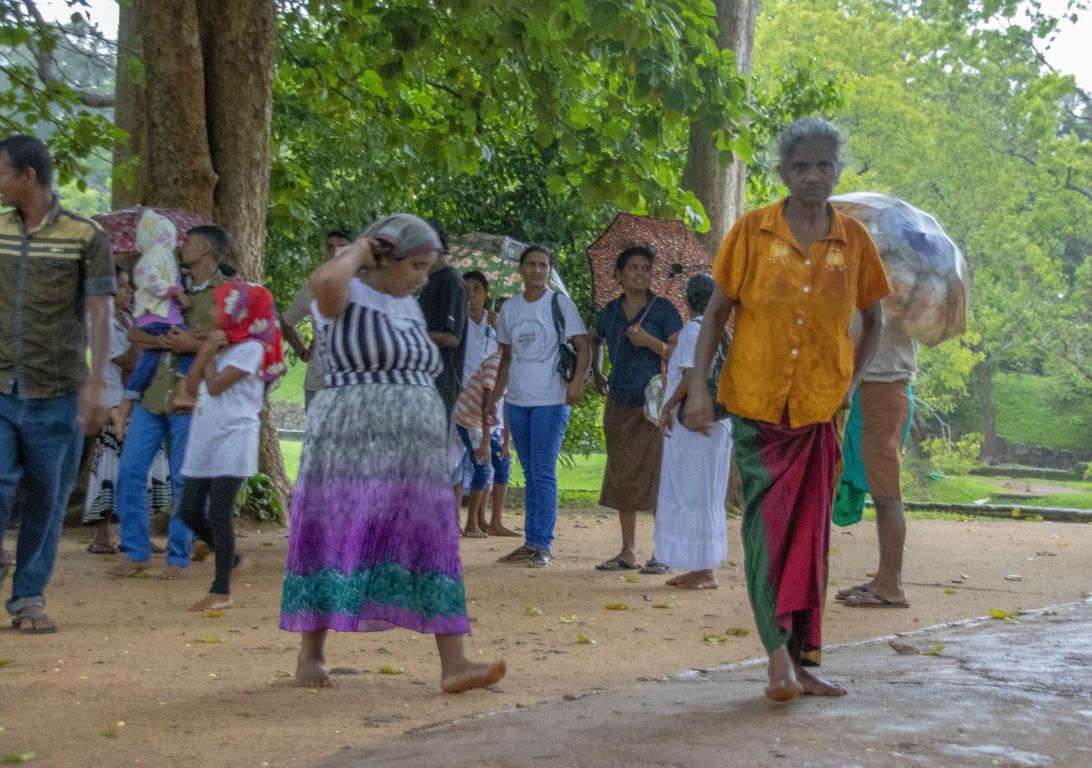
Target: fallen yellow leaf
[(391, 670), (209, 639), (584, 639), (6, 662), (19, 757), (714, 639), (532, 611), (631, 578), (934, 651), (617, 607), (139, 573), (739, 631), (214, 613), (568, 619), (949, 591), (998, 613)]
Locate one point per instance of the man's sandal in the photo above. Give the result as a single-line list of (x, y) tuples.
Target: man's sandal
[(860, 589), (616, 564), (872, 600), (40, 624)]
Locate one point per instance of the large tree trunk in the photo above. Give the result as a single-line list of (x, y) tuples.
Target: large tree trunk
[(983, 390), (199, 122), (721, 189), (127, 188)]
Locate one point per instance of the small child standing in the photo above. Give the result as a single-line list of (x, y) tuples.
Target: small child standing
[(484, 432), (158, 302), (230, 375)]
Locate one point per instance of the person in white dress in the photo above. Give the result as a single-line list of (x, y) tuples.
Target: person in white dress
[(691, 530)]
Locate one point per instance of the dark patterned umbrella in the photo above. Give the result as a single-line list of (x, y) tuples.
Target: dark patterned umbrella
[(679, 256), (497, 257), (929, 278), (121, 225)]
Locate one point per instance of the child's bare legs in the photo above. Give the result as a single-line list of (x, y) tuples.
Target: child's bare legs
[(458, 673), (496, 525), (311, 663), (475, 523), (101, 544), (183, 400), (121, 421)]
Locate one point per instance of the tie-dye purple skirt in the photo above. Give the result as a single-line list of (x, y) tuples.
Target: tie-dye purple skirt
[(374, 531)]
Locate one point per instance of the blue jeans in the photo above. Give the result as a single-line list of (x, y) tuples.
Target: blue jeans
[(494, 470), (146, 432), (41, 442), (537, 432)]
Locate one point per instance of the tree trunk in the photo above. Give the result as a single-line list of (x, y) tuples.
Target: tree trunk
[(983, 390), (239, 39), (721, 189), (127, 188), (200, 125)]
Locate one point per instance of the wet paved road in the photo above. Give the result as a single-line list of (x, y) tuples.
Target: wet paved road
[(997, 694)]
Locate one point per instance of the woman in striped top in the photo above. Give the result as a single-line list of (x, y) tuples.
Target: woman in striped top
[(374, 537)]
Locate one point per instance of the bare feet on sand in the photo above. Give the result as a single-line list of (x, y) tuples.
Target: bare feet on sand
[(127, 568), (817, 686), (471, 675), (174, 573), (694, 580), (473, 533), (311, 671), (782, 673), (242, 565), (201, 551), (213, 602), (500, 530)]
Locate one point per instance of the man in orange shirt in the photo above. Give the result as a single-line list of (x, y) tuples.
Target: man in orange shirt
[(794, 273)]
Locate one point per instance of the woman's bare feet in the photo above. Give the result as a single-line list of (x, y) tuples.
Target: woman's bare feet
[(817, 686), (174, 573), (470, 675), (311, 662), (694, 580), (213, 602), (782, 673), (201, 551), (473, 533), (500, 530), (127, 568)]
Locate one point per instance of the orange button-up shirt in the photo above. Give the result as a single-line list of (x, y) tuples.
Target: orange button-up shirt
[(792, 347)]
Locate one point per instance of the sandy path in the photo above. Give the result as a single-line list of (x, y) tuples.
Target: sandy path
[(130, 652)]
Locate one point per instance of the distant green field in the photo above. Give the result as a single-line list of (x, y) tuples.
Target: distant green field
[(1025, 414), (290, 387)]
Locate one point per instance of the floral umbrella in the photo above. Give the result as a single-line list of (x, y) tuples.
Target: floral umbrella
[(121, 226), (929, 277), (679, 256), (497, 257)]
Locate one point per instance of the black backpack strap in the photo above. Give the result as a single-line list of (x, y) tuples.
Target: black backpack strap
[(559, 320)]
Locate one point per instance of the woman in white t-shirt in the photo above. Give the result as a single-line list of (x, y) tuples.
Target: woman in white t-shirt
[(229, 378), (538, 398)]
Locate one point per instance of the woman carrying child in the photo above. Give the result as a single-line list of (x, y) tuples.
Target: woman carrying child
[(374, 534), (229, 376)]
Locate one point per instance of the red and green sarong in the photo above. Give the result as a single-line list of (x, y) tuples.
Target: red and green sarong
[(788, 485)]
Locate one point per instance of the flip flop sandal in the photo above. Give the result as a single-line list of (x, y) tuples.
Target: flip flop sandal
[(517, 555), (616, 564), (655, 568), (860, 589), (872, 600), (539, 559), (40, 624)]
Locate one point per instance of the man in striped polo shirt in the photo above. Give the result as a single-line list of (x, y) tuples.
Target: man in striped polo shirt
[(56, 281)]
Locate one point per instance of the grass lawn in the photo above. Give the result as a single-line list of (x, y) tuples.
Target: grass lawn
[(1025, 414)]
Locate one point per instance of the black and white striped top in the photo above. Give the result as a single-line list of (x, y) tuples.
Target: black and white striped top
[(378, 339)]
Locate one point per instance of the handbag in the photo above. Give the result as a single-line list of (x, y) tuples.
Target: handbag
[(566, 358), (713, 382)]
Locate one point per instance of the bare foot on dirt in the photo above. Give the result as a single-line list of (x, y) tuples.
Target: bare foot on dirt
[(694, 580), (127, 568), (500, 530), (783, 683), (473, 533), (213, 602), (817, 686), (311, 672), (200, 552), (473, 676), (242, 565), (174, 573)]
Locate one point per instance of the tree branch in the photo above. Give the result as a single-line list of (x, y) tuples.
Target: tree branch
[(1073, 187), (46, 66)]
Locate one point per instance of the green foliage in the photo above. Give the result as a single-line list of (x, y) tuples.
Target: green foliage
[(954, 457), (1055, 412), (585, 432), (258, 500)]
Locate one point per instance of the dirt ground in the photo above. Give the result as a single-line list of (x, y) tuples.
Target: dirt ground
[(133, 678)]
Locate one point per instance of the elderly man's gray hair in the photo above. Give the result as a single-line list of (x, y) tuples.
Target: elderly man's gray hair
[(804, 129)]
